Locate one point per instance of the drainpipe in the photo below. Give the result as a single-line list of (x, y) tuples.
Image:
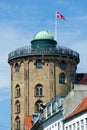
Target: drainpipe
[(54, 79)]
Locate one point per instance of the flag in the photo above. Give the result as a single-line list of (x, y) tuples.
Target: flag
[(60, 16)]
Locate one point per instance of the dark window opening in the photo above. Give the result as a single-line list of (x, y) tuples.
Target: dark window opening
[(62, 65), (62, 78), (38, 64), (17, 67), (38, 105), (17, 91), (39, 90), (17, 121), (17, 106)]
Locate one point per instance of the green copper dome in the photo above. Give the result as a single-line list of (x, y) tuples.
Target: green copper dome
[(43, 40), (43, 35)]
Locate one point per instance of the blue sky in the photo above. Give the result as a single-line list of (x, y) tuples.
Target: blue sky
[(21, 19)]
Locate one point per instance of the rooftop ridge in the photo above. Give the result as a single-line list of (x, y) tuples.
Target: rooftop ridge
[(81, 107)]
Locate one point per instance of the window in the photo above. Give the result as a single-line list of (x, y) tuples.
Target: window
[(86, 123), (82, 125), (17, 91), (38, 64), (55, 126), (50, 128), (66, 128), (38, 90), (58, 126), (54, 106), (49, 110), (62, 78), (17, 122), (70, 127), (74, 126), (17, 67), (78, 127), (38, 105), (62, 65), (17, 104)]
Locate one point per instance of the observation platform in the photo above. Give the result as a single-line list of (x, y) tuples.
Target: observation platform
[(43, 51)]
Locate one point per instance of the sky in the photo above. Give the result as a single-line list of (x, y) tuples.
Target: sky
[(20, 20)]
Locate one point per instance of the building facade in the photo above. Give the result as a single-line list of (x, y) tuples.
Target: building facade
[(39, 73), (77, 120), (54, 114)]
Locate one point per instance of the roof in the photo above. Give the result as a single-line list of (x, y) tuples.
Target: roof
[(43, 35), (81, 78), (81, 107)]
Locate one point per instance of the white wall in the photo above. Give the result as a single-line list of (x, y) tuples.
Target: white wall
[(75, 121), (74, 98)]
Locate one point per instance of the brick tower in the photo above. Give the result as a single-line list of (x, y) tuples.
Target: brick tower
[(38, 73)]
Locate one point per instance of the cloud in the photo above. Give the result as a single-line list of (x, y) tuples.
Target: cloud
[(10, 39), (17, 28), (74, 36)]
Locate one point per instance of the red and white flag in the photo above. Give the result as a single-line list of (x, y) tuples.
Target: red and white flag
[(60, 16)]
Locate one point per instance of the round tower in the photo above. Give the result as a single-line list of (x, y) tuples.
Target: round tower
[(38, 73)]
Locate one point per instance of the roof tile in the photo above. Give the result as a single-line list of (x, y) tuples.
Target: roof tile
[(81, 107)]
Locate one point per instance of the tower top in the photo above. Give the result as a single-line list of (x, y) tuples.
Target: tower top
[(43, 39), (43, 43), (43, 35)]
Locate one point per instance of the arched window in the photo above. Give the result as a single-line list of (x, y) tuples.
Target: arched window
[(17, 91), (17, 106), (38, 64), (38, 90), (17, 67), (62, 64), (17, 123), (38, 105), (62, 78)]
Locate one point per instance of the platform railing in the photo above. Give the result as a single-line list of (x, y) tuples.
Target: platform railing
[(28, 50)]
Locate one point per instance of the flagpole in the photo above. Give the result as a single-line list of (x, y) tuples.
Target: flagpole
[(56, 26), (60, 16)]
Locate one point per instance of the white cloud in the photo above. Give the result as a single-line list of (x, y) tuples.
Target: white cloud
[(18, 29), (10, 39)]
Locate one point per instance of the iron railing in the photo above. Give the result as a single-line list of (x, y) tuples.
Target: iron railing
[(28, 51)]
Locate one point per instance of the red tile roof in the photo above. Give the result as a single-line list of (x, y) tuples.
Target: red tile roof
[(81, 78), (81, 107), (28, 122)]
